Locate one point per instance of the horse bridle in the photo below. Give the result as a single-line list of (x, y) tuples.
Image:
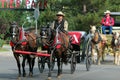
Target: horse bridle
[(99, 38)]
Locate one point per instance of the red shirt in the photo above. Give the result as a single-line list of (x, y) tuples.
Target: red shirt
[(107, 21)]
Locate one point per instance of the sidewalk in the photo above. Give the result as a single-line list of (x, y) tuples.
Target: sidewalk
[(8, 51)]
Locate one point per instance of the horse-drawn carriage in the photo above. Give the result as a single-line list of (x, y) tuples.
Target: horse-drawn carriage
[(74, 50), (65, 47), (61, 47)]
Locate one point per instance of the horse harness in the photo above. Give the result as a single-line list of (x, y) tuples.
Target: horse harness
[(22, 42), (99, 38), (116, 44), (98, 41)]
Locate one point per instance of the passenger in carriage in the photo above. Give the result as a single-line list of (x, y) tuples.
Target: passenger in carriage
[(107, 22), (60, 21)]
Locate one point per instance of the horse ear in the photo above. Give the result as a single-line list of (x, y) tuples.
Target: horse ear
[(114, 32), (90, 26)]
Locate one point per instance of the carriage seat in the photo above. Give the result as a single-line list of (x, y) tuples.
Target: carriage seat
[(76, 36)]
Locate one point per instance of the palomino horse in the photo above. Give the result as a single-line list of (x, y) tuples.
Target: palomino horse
[(98, 44), (24, 43), (115, 44), (58, 42)]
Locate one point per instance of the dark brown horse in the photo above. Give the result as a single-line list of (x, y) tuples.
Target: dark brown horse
[(24, 42), (58, 44)]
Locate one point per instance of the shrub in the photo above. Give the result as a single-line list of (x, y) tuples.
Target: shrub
[(1, 43)]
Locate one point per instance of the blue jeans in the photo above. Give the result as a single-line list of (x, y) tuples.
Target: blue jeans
[(106, 28)]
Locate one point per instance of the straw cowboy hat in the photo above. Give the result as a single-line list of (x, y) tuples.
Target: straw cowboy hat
[(107, 11), (60, 13)]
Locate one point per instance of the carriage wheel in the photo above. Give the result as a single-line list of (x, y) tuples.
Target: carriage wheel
[(51, 62), (73, 62), (88, 55), (41, 64)]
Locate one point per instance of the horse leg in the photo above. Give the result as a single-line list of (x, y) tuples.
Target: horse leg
[(59, 67), (99, 55), (103, 54), (18, 64), (115, 58), (93, 59), (118, 58), (23, 66), (32, 63), (49, 74)]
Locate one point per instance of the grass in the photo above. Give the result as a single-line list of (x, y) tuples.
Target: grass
[(2, 49)]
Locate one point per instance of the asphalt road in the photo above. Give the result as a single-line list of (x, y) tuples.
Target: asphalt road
[(106, 71)]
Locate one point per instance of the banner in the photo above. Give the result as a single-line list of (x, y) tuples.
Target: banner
[(3, 1), (18, 2), (11, 3), (27, 2), (33, 4), (45, 3)]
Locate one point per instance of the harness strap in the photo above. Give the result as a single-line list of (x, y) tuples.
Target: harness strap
[(99, 38)]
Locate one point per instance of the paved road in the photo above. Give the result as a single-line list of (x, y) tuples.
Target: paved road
[(106, 71)]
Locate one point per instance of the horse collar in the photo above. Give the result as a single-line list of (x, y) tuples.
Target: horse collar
[(99, 39)]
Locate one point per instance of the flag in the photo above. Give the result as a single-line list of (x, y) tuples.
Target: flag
[(7, 1), (11, 3), (33, 4), (18, 3), (3, 1), (45, 3), (27, 2)]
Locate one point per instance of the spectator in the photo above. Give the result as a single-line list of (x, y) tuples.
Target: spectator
[(107, 22)]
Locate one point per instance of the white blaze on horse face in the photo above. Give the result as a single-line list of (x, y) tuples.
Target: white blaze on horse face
[(92, 30), (116, 41), (13, 32)]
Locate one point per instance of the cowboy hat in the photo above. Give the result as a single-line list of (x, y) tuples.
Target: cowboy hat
[(60, 13), (107, 11)]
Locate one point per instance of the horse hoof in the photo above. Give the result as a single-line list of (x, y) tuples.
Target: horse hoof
[(49, 78), (31, 74), (24, 74), (98, 64), (19, 78), (59, 76)]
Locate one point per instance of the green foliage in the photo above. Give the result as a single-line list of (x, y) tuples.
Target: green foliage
[(73, 9), (1, 43)]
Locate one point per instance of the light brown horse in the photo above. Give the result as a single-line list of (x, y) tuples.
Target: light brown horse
[(23, 42), (98, 43), (58, 42), (115, 44)]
